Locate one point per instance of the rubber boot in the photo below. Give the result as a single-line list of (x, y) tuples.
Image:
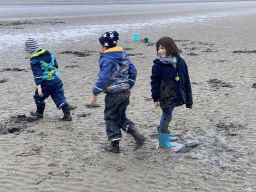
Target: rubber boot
[(139, 138), (113, 147), (66, 112), (164, 140), (170, 138), (39, 111)]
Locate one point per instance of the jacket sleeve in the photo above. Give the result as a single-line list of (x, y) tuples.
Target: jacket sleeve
[(132, 72), (155, 82), (104, 77), (37, 71), (189, 98)]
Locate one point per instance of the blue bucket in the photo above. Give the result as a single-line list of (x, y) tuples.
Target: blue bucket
[(136, 37)]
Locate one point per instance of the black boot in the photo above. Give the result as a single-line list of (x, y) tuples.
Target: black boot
[(113, 147), (67, 116), (139, 138), (39, 111)]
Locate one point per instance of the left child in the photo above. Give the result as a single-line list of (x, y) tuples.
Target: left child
[(46, 75)]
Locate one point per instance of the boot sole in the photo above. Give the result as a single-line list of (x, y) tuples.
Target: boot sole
[(34, 115), (64, 119), (107, 148)]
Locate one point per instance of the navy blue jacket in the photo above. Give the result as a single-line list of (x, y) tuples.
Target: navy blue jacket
[(117, 72), (166, 89), (41, 63)]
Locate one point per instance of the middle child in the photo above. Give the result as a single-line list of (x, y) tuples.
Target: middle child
[(116, 78)]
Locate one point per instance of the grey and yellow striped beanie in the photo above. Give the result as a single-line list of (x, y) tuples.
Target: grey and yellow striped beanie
[(31, 45)]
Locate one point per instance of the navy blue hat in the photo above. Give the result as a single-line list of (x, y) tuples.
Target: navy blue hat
[(109, 39)]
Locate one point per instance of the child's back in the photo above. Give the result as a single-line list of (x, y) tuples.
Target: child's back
[(116, 78), (117, 67), (43, 63)]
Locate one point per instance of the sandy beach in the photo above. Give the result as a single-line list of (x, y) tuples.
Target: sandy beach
[(217, 41)]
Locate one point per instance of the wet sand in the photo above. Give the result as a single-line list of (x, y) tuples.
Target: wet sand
[(49, 155)]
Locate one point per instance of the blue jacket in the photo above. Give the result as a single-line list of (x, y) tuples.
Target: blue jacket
[(169, 91), (44, 66), (117, 72)]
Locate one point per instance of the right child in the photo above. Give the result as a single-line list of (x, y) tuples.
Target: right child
[(170, 85)]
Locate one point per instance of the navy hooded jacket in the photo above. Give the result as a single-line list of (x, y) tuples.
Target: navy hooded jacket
[(44, 66), (117, 72), (169, 91)]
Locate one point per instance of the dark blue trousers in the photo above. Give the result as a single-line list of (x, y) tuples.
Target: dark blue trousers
[(53, 88), (166, 119), (114, 114)]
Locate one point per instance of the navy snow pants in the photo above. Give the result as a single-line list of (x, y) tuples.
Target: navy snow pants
[(53, 88), (114, 114)]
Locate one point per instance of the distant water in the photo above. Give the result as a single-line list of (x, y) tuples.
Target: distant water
[(136, 16), (42, 10)]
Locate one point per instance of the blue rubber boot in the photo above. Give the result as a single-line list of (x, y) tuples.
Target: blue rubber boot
[(170, 138), (164, 140)]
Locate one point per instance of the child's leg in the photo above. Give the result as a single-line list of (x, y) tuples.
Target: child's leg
[(166, 119), (39, 101), (112, 103), (164, 134), (113, 131), (127, 125), (124, 121), (59, 99), (57, 95)]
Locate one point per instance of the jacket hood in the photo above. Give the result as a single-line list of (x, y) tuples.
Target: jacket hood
[(116, 54), (46, 55)]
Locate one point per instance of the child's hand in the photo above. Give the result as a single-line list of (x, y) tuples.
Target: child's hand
[(157, 104), (94, 99), (40, 93), (39, 89)]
